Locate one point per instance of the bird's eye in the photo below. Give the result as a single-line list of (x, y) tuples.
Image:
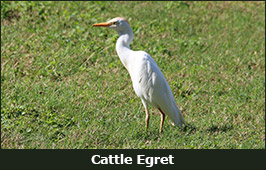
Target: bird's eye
[(114, 23)]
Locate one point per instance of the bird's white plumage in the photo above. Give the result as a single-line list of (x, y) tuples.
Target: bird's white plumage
[(148, 81), (151, 86)]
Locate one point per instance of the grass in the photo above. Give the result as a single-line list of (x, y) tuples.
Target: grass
[(63, 85)]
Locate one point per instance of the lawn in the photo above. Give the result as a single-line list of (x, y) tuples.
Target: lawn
[(63, 85)]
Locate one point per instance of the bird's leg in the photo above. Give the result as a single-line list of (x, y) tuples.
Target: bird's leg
[(147, 118), (162, 120)]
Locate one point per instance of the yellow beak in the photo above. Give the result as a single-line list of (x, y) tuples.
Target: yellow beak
[(102, 24)]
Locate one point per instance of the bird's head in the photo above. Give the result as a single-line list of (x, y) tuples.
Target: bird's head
[(118, 24)]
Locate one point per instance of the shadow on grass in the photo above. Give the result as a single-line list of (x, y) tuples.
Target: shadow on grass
[(151, 134), (190, 128), (224, 128)]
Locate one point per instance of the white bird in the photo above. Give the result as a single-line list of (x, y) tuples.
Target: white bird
[(148, 81)]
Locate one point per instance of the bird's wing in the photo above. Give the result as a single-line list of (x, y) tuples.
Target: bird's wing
[(148, 78), (151, 86)]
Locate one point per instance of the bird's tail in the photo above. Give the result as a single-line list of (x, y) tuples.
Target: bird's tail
[(176, 116)]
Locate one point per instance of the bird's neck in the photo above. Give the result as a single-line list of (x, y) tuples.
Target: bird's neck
[(123, 47)]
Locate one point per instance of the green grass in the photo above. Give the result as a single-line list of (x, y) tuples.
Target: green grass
[(63, 85)]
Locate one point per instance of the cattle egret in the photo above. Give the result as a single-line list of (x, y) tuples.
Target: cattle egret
[(148, 81)]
